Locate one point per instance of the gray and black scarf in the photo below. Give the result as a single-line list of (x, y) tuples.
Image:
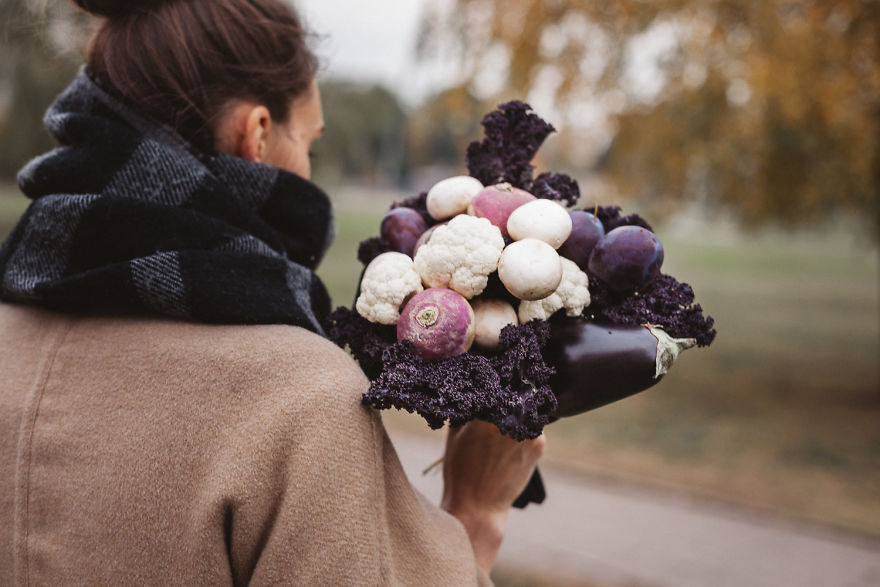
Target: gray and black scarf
[(128, 218)]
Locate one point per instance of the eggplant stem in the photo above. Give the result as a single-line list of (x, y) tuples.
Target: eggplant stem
[(668, 348)]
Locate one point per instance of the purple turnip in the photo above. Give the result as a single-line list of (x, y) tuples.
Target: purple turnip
[(438, 322), (601, 363), (497, 202)]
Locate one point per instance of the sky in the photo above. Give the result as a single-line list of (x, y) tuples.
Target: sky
[(375, 41)]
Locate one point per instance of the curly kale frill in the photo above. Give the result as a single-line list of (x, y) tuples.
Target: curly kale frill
[(366, 339), (509, 389), (371, 248), (610, 218), (522, 368), (664, 302), (556, 186), (513, 134)]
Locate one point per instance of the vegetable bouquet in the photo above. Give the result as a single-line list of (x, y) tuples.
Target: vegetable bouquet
[(491, 296)]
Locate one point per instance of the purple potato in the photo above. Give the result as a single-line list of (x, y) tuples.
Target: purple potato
[(597, 364), (627, 258), (401, 228), (586, 231)]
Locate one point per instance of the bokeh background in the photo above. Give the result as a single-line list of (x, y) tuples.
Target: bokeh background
[(746, 131)]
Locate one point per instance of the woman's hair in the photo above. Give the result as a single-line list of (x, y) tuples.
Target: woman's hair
[(181, 61)]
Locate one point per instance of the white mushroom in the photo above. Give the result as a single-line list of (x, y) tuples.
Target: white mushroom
[(452, 196), (572, 294), (530, 269), (542, 219), (490, 317)]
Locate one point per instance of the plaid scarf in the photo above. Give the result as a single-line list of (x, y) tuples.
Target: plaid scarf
[(128, 218)]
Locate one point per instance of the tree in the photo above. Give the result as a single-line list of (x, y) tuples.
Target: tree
[(767, 107), (365, 136), (33, 71), (442, 126)]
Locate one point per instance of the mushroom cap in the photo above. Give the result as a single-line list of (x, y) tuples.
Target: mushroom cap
[(490, 317), (542, 219), (451, 196), (530, 269)]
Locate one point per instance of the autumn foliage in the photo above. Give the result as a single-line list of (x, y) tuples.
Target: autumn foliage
[(770, 108)]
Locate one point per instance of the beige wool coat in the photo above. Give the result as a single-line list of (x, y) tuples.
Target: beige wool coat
[(154, 452)]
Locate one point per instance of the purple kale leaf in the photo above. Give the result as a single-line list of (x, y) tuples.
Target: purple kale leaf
[(509, 389), (366, 339), (513, 134), (556, 186), (610, 218), (665, 302), (522, 368), (371, 248), (454, 390)]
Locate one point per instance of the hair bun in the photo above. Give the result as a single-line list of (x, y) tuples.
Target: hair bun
[(115, 8)]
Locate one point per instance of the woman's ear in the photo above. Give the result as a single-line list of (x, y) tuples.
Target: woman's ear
[(243, 131), (257, 125)]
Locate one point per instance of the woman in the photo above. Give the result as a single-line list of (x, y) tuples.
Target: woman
[(169, 411)]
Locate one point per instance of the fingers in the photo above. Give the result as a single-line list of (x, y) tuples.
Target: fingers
[(485, 469), (536, 446)]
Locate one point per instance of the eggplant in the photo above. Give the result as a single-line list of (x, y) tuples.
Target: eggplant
[(597, 364)]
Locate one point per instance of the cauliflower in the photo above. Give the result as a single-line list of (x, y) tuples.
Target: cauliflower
[(461, 255), (387, 282), (572, 294)]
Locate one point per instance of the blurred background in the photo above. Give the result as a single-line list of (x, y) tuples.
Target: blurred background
[(746, 131)]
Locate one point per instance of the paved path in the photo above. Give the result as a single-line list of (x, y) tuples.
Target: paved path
[(617, 534)]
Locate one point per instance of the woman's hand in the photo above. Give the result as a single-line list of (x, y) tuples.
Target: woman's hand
[(483, 473)]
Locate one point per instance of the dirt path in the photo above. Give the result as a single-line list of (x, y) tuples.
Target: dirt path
[(620, 535)]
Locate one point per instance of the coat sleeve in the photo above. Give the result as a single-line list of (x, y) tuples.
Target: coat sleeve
[(327, 501)]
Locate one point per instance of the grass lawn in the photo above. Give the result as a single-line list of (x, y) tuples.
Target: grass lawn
[(780, 413)]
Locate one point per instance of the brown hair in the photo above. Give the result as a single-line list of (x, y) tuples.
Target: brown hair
[(181, 61)]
